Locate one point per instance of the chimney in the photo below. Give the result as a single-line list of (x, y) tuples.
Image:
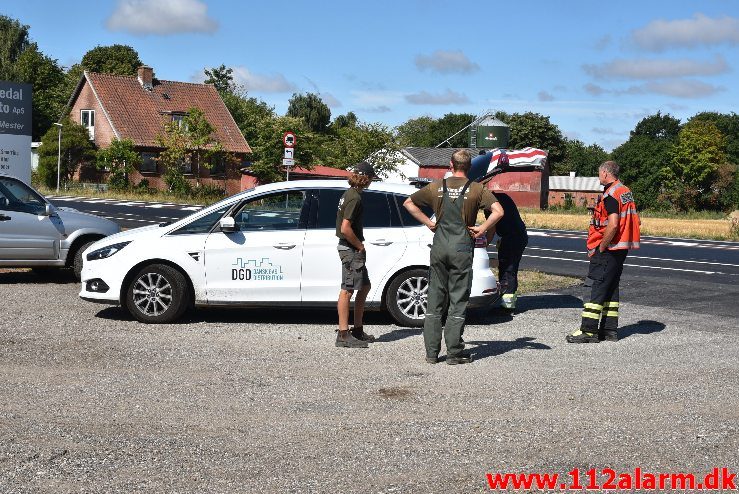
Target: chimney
[(146, 76), (572, 174)]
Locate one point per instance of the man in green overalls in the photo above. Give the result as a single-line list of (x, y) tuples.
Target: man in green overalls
[(456, 202)]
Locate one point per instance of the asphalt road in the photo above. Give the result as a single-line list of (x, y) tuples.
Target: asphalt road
[(700, 276), (261, 401)]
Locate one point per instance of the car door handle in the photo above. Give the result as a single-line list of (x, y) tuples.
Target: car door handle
[(5, 218), (381, 243), (284, 246)]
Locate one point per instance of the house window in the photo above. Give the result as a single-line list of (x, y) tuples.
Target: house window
[(186, 165), (87, 118), (218, 164), (179, 120), (148, 163)]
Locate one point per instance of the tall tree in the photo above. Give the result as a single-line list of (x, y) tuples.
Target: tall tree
[(47, 78), (417, 132), (642, 158), (14, 40), (114, 59), (535, 130), (77, 149), (373, 142), (728, 124), (348, 120), (448, 125), (221, 77), (691, 179), (582, 159), (311, 109), (658, 126)]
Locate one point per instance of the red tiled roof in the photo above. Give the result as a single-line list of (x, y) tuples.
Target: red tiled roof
[(321, 171), (139, 114)]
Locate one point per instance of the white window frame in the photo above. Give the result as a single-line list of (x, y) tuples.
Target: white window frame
[(90, 118)]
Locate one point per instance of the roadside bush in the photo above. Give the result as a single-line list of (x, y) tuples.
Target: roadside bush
[(118, 180), (176, 182), (208, 192)]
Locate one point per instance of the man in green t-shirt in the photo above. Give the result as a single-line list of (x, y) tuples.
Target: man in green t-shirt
[(354, 276), (455, 201)]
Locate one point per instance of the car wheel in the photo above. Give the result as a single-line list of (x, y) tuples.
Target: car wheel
[(77, 261), (407, 297), (157, 294)]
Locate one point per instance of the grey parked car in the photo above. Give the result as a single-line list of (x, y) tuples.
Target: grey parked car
[(35, 234)]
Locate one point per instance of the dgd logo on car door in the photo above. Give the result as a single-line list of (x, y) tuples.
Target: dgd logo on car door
[(261, 270)]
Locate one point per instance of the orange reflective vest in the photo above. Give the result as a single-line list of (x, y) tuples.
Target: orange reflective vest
[(627, 236)]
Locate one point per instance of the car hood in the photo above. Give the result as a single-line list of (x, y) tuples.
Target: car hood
[(133, 234), (76, 220)]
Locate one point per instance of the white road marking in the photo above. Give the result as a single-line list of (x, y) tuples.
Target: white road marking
[(630, 265), (191, 208), (634, 256)]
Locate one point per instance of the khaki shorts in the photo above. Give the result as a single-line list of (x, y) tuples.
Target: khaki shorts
[(354, 274)]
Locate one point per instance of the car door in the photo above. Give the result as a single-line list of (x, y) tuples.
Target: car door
[(261, 262), (385, 242), (26, 232)]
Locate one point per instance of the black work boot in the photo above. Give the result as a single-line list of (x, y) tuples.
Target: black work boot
[(358, 333), (346, 340), (607, 335), (581, 336), (459, 359)]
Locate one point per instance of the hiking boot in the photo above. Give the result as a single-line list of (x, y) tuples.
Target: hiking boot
[(459, 359), (432, 360), (346, 340), (358, 333), (581, 336), (608, 335)]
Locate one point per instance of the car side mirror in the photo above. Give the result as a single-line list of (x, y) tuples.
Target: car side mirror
[(228, 225), (49, 210)]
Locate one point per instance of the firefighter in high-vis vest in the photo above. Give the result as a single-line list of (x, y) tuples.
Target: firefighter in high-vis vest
[(456, 201), (614, 229)]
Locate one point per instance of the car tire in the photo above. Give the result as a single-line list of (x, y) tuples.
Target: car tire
[(157, 294), (406, 297), (77, 261)]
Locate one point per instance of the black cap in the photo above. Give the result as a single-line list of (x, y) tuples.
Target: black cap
[(364, 168)]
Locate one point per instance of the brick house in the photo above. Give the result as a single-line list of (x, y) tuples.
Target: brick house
[(138, 107), (571, 190)]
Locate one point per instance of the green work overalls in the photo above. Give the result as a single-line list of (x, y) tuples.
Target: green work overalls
[(450, 278)]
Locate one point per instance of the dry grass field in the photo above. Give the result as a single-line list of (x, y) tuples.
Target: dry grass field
[(688, 227)]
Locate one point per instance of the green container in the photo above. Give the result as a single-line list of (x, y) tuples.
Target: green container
[(490, 136)]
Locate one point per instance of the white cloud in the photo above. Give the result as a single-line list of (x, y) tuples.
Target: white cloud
[(545, 96), (701, 30), (606, 131), (678, 88), (330, 100), (376, 99), (446, 62), (161, 17), (272, 83), (655, 69), (603, 42), (448, 97), (378, 109)]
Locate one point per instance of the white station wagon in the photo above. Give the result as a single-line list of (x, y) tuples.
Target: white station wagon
[(274, 245)]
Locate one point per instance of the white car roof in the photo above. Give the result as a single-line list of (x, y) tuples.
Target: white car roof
[(331, 184)]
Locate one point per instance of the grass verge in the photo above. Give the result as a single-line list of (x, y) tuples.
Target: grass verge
[(132, 196), (536, 281)]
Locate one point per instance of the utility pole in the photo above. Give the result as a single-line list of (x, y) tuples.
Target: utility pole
[(58, 155)]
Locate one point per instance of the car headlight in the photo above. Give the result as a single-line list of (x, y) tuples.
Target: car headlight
[(106, 252)]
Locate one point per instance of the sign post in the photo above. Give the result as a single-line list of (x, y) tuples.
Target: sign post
[(288, 160), (15, 130)]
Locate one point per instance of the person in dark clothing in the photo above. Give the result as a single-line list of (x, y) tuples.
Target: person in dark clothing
[(354, 276), (513, 240)]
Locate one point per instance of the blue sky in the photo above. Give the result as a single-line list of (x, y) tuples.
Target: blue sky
[(596, 68)]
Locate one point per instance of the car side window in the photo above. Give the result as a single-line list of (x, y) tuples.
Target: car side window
[(328, 205), (376, 210), (405, 216), (280, 211), (17, 196), (204, 224)]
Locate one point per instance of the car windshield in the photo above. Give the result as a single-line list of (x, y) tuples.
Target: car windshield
[(17, 196)]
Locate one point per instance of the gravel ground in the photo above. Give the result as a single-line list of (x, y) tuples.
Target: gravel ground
[(261, 401)]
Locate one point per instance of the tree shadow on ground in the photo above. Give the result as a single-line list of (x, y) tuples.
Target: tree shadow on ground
[(484, 349), (56, 276), (645, 326)]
